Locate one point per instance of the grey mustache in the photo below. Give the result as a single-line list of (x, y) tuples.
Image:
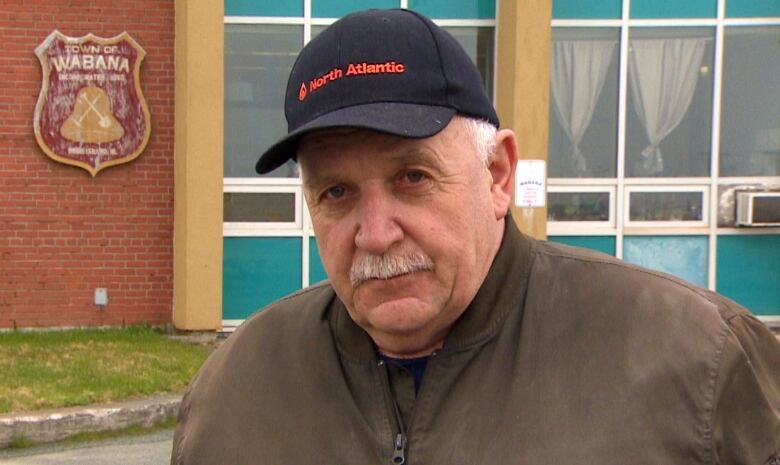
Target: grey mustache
[(387, 266)]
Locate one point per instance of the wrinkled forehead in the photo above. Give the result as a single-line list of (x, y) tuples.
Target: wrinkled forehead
[(319, 145), (327, 139), (316, 149)]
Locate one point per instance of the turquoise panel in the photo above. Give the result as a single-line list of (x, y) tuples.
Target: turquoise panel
[(339, 8), (673, 9), (263, 8), (316, 271), (683, 256), (256, 271), (455, 9), (752, 8), (605, 244), (749, 271), (586, 9)]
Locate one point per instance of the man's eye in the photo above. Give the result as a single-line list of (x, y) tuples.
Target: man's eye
[(335, 192), (414, 177)]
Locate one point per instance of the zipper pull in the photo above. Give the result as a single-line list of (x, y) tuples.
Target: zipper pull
[(400, 446)]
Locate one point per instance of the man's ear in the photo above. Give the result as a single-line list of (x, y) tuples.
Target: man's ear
[(502, 169)]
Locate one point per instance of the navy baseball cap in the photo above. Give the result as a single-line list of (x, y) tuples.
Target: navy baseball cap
[(392, 71)]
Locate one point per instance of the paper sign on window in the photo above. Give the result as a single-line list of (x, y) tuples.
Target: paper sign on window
[(531, 183)]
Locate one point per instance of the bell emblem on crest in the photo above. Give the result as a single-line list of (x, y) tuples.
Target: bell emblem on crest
[(92, 120)]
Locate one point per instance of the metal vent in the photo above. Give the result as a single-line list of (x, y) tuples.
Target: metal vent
[(758, 208)]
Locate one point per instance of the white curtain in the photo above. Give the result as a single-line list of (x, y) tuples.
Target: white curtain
[(579, 69), (662, 75)]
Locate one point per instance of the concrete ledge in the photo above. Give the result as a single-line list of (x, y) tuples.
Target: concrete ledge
[(56, 425)]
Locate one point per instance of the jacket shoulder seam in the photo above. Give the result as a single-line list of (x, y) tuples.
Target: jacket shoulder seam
[(709, 398)]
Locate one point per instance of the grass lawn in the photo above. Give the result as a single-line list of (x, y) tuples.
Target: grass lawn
[(40, 370)]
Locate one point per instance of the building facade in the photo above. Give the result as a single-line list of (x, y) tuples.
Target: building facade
[(651, 116), (658, 113), (64, 233)]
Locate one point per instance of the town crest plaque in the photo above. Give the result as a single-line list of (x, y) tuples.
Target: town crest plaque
[(91, 112)]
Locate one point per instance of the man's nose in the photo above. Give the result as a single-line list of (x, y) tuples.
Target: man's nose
[(377, 222)]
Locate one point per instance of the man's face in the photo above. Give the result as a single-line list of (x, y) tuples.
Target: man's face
[(407, 229)]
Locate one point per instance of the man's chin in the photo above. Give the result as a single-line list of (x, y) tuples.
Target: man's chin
[(406, 289), (400, 314)]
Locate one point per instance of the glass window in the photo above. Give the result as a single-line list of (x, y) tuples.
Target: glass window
[(256, 8), (683, 256), (339, 8), (479, 44), (766, 209), (316, 29), (586, 9), (666, 206), (669, 115), (257, 271), (583, 102), (578, 206), (673, 9), (605, 244), (748, 271), (455, 9), (750, 121), (752, 8), (259, 207), (316, 270), (258, 59)]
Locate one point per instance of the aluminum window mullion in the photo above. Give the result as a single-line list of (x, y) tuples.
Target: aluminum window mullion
[(612, 23), (229, 181), (305, 223), (717, 84), (748, 21), (465, 22), (274, 20), (306, 22), (301, 202), (620, 199), (670, 181), (582, 181), (666, 22)]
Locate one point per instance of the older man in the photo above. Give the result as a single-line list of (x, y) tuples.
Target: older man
[(445, 336)]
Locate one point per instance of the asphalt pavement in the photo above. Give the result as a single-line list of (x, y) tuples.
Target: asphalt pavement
[(151, 449)]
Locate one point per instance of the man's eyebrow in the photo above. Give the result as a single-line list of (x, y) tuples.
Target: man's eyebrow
[(315, 181), (406, 156), (416, 155)]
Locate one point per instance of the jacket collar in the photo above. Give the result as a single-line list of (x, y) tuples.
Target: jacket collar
[(502, 292)]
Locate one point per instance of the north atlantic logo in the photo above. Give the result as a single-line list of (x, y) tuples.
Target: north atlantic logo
[(353, 69)]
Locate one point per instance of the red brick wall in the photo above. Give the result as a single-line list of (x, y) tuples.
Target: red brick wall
[(62, 232)]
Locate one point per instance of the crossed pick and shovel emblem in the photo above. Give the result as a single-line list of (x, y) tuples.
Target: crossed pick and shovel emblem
[(104, 121), (91, 120)]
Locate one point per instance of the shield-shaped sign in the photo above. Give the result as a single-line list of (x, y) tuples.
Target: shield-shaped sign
[(91, 112)]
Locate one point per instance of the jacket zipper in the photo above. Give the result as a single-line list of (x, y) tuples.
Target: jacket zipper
[(399, 445), (399, 457)]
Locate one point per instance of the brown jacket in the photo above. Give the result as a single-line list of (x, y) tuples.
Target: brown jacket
[(564, 356)]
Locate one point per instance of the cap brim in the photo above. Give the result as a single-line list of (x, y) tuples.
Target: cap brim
[(414, 121)]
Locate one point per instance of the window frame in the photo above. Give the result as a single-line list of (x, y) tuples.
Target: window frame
[(623, 185)]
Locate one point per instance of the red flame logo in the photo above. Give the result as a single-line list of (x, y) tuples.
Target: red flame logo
[(302, 92)]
